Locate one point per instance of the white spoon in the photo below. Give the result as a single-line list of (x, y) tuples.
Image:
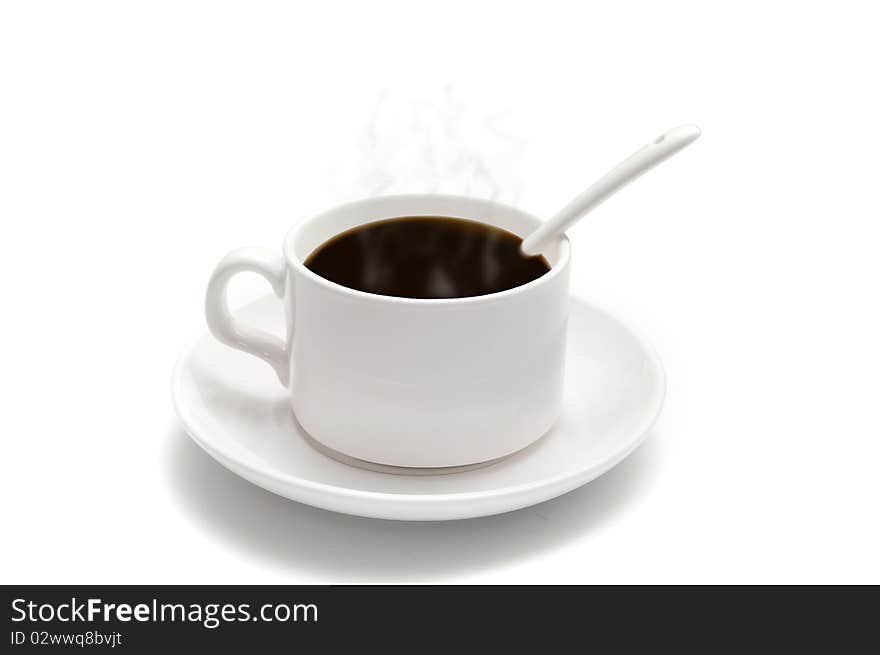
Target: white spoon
[(660, 149)]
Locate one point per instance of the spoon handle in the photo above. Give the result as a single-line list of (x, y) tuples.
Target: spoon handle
[(660, 149)]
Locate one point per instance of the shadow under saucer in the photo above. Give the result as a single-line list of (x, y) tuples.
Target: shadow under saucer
[(352, 549)]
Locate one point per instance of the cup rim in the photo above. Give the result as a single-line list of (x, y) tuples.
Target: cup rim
[(295, 263)]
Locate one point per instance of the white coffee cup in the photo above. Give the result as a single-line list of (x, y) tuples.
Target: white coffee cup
[(405, 381)]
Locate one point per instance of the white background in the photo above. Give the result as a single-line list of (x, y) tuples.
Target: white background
[(141, 141)]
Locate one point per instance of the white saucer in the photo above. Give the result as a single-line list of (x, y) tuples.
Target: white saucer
[(232, 406)]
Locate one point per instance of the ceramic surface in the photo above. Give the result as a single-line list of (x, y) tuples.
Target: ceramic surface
[(404, 381), (233, 407)]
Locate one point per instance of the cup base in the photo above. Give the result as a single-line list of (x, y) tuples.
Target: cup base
[(393, 470)]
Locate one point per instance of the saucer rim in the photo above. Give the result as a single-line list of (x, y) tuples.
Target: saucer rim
[(655, 405)]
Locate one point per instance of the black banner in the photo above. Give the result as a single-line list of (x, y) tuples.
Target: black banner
[(146, 619)]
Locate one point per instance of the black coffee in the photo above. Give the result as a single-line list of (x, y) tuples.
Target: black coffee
[(426, 257)]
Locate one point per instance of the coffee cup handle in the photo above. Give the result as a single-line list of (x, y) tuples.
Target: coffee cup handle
[(230, 330)]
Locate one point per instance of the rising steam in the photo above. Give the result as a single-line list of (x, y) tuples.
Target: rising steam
[(431, 145)]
